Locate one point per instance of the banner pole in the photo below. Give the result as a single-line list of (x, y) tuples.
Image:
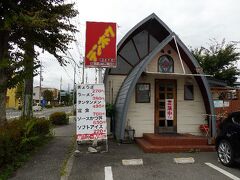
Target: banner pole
[(100, 80)]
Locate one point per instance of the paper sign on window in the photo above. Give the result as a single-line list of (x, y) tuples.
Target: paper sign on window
[(169, 105)]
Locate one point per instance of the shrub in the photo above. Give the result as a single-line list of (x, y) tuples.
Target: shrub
[(48, 106), (19, 137), (110, 110), (59, 118)]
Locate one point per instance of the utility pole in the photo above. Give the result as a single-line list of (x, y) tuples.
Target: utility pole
[(96, 73), (40, 83), (60, 97), (74, 86), (83, 70), (100, 79), (86, 79)]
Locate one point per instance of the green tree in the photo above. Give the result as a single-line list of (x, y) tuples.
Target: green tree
[(219, 60), (23, 25), (10, 55), (45, 25), (66, 99), (48, 95)]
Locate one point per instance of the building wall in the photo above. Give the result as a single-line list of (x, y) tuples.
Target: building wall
[(140, 116), (190, 113), (153, 66), (36, 91), (112, 86), (12, 102)]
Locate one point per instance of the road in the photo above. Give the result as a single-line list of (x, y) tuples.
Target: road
[(155, 166), (44, 113)]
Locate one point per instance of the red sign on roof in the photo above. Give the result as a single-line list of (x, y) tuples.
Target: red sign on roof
[(100, 45)]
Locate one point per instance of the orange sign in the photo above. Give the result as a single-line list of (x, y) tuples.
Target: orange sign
[(100, 45)]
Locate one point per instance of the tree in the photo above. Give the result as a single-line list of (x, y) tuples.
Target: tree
[(219, 60), (10, 56), (48, 95), (23, 25), (45, 25), (66, 99)]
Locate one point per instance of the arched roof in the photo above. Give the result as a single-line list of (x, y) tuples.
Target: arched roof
[(138, 43), (148, 37)]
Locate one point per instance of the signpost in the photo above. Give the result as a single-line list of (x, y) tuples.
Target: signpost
[(100, 52), (91, 113)]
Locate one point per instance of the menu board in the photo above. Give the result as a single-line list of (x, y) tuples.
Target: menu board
[(91, 113)]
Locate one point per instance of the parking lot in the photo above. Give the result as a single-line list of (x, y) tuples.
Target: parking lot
[(109, 165)]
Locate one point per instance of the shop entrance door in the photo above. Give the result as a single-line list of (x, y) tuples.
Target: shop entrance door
[(165, 106)]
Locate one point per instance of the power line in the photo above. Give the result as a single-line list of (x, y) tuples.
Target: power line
[(67, 73)]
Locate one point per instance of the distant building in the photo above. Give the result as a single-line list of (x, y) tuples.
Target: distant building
[(36, 93), (12, 102), (226, 99)]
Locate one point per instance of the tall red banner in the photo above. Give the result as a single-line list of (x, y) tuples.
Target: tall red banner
[(100, 45)]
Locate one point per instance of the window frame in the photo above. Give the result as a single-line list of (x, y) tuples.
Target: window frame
[(136, 93), (185, 95), (170, 59)]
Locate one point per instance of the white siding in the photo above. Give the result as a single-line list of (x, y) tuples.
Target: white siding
[(140, 116), (153, 66), (112, 87)]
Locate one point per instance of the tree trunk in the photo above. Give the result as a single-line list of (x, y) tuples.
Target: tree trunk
[(4, 36), (27, 111), (3, 95)]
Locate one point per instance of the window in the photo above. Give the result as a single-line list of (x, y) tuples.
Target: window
[(142, 93), (188, 92), (166, 64)]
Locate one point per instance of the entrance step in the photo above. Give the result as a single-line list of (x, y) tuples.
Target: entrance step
[(175, 139), (173, 143)]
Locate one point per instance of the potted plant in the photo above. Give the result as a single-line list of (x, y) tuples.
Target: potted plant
[(110, 111)]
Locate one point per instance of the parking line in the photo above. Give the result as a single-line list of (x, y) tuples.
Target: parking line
[(223, 171), (108, 173)]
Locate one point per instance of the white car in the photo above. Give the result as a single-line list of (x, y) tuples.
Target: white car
[(37, 108)]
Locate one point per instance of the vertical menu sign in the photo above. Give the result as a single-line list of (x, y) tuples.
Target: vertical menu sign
[(91, 112)]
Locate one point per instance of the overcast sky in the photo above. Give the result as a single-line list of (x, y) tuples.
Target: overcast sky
[(195, 22)]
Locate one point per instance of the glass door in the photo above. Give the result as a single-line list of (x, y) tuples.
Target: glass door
[(165, 106)]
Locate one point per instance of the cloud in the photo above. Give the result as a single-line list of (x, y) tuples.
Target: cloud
[(195, 22)]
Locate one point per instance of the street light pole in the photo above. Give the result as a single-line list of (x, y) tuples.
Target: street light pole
[(83, 70), (74, 86), (40, 83)]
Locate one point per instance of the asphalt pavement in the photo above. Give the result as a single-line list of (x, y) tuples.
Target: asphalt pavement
[(155, 166), (47, 162), (44, 113)]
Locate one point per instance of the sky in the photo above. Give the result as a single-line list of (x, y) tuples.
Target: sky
[(195, 22)]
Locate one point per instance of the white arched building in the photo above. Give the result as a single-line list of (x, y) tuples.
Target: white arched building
[(157, 87)]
